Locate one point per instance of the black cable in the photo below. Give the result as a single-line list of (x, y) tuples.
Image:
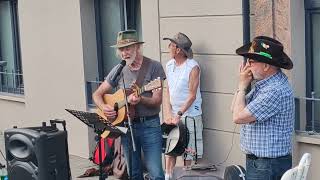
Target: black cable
[(2, 166), (234, 130)]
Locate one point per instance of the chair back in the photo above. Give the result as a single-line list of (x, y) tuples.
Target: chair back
[(299, 172)]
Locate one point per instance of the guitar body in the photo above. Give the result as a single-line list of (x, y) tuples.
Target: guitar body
[(116, 100), (112, 99)]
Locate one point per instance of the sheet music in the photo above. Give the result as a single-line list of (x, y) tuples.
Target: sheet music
[(95, 121)]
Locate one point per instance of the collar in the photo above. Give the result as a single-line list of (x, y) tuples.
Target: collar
[(277, 77)]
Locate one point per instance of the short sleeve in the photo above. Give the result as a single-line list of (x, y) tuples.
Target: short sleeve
[(158, 71), (265, 105), (110, 75)]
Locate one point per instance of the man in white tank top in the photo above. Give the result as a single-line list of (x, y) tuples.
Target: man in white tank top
[(184, 98)]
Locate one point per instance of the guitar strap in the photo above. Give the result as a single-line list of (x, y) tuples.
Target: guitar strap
[(143, 71)]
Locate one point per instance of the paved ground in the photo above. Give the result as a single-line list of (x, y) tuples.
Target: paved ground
[(80, 165)]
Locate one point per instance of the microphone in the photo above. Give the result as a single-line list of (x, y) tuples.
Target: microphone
[(118, 71)]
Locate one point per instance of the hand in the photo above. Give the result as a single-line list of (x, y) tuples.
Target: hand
[(168, 121), (245, 76), (133, 99), (109, 111), (175, 120)]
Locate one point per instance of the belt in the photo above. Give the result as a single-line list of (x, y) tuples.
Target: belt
[(142, 119), (254, 157)]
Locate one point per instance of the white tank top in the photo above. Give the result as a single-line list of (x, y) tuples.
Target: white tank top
[(178, 81)]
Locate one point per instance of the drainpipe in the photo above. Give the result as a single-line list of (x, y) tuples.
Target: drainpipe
[(246, 26), (246, 21)]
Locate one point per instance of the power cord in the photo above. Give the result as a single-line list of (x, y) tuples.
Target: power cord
[(234, 130), (1, 165), (3, 155)]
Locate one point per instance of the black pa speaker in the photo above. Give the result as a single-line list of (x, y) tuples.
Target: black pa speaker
[(37, 153)]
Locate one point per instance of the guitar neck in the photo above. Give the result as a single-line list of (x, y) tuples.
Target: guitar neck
[(140, 90)]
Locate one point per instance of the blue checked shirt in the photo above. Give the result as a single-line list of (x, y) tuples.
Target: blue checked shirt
[(271, 102)]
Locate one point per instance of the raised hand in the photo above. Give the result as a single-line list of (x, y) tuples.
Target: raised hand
[(245, 76)]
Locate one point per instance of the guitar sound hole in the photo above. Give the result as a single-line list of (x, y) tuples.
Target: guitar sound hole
[(116, 107)]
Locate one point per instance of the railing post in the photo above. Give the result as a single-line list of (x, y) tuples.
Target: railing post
[(297, 113), (312, 110)]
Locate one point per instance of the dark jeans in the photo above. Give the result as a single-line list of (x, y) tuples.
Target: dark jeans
[(148, 138), (267, 168)]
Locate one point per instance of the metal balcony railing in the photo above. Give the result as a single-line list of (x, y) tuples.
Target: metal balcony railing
[(91, 87), (308, 108), (11, 82)]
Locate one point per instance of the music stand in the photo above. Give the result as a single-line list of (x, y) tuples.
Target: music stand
[(99, 125)]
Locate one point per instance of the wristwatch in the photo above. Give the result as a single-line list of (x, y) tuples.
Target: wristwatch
[(179, 113)]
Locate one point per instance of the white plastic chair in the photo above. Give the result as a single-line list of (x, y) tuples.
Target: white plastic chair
[(299, 172)]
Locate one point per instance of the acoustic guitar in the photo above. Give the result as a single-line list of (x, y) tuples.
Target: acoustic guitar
[(117, 100)]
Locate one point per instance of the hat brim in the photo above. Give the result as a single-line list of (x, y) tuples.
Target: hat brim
[(127, 44), (283, 61), (188, 53)]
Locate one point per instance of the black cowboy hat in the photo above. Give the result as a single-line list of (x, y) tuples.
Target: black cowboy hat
[(267, 50)]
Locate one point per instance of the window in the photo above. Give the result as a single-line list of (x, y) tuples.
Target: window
[(313, 65), (111, 16), (11, 80)]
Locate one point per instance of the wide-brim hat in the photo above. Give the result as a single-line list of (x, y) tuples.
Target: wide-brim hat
[(127, 38), (267, 50), (183, 42)]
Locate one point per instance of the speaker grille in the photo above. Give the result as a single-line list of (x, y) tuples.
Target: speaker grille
[(37, 153), (20, 147), (22, 170)]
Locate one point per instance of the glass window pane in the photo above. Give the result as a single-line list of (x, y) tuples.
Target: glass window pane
[(111, 23), (11, 80), (6, 36)]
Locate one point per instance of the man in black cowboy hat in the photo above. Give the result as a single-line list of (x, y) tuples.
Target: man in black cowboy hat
[(146, 123), (184, 97), (266, 113)]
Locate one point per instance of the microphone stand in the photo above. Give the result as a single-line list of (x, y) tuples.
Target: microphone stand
[(129, 124)]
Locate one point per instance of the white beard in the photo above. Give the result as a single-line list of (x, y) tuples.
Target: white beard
[(131, 59)]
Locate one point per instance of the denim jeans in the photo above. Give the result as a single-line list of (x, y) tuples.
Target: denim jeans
[(148, 139), (267, 169)]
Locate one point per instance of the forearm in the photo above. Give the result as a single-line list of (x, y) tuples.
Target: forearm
[(98, 100), (188, 103), (151, 101), (238, 106), (194, 83), (242, 115), (233, 100), (97, 96)]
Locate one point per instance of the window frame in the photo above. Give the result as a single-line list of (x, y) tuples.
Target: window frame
[(18, 82), (129, 20), (311, 7)]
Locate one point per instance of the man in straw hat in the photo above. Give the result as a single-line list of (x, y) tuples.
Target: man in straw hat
[(146, 123), (267, 111), (184, 98)]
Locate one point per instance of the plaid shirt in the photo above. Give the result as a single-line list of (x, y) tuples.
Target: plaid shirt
[(271, 102)]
